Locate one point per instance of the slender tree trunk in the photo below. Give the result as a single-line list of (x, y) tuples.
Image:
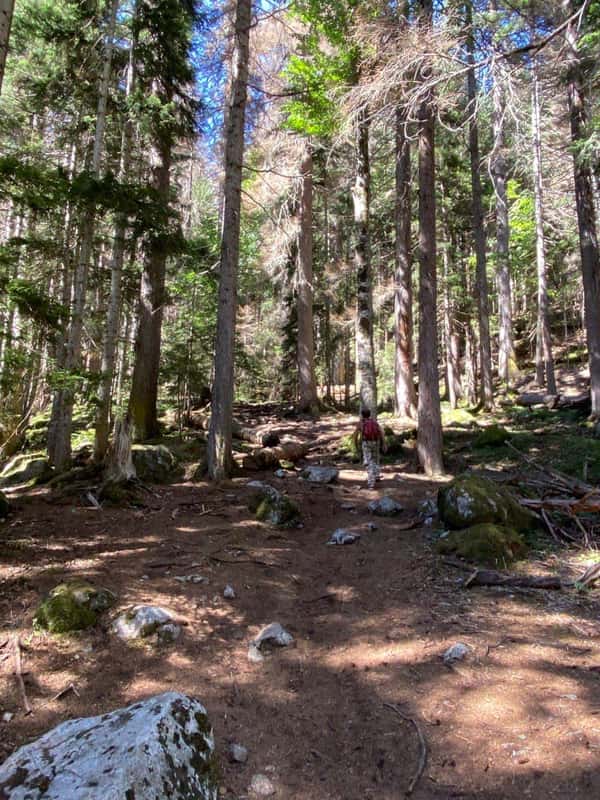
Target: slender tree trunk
[(429, 434), (507, 362), (114, 306), (220, 460), (544, 362), (6, 15), (486, 386), (584, 199), (451, 340), (307, 389), (59, 434), (144, 382), (405, 394), (361, 196)]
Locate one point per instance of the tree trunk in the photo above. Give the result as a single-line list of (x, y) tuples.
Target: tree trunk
[(405, 394), (507, 362), (114, 306), (60, 427), (429, 434), (144, 382), (220, 460), (588, 239), (6, 15), (486, 386), (307, 389), (361, 196), (544, 362)]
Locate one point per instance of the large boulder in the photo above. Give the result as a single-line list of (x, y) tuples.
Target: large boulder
[(154, 463), (139, 622), (318, 474), (470, 500), (486, 544), (72, 606), (25, 469), (272, 506), (160, 747), (4, 506)]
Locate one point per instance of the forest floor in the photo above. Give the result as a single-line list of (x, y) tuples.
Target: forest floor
[(519, 717)]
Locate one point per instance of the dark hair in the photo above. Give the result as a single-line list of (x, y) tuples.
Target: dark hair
[(366, 413)]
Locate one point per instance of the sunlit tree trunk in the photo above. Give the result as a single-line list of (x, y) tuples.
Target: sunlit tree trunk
[(220, 460), (6, 15), (307, 389), (584, 199), (429, 434), (361, 196), (544, 362)]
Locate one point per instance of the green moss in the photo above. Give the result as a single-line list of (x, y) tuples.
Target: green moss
[(470, 500), (492, 436), (72, 606), (348, 448), (279, 510), (486, 544)]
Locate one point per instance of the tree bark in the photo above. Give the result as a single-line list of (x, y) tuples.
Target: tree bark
[(405, 394), (220, 460), (307, 388), (486, 385), (361, 196), (588, 239), (6, 15), (544, 361), (429, 433)]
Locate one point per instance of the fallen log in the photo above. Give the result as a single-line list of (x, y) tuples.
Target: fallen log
[(532, 399), (590, 504), (490, 577)]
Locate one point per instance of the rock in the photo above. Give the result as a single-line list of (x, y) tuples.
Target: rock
[(470, 500), (191, 579), (238, 753), (229, 592), (491, 436), (272, 506), (154, 463), (25, 469), (427, 508), (160, 747), (280, 473), (72, 606), (4, 506), (385, 507), (341, 536), (7, 716), (140, 622), (316, 474), (273, 635), (370, 526), (457, 652), (486, 544), (347, 507), (254, 654), (168, 633), (261, 786)]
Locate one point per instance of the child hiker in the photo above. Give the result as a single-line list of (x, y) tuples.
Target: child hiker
[(371, 437)]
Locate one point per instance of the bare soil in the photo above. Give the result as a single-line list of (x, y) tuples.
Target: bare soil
[(520, 717)]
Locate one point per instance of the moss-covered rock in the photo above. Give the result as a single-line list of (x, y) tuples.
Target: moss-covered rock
[(25, 469), (486, 544), (471, 500), (270, 505), (154, 463), (4, 506), (492, 436), (72, 606)]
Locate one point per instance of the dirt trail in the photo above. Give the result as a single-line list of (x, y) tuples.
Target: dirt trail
[(519, 718)]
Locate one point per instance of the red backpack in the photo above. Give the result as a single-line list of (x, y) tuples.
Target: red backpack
[(370, 430)]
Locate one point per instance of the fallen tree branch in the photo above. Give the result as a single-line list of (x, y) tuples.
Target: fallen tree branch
[(490, 577), (19, 676), (422, 747)]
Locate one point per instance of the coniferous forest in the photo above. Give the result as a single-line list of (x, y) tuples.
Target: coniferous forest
[(229, 233)]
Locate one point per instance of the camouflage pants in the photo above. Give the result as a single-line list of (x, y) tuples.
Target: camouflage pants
[(371, 461)]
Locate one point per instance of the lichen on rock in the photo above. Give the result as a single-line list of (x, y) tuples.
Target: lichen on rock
[(272, 506), (154, 463), (72, 606), (470, 500)]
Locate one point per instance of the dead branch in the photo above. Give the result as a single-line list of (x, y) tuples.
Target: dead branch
[(19, 676), (591, 575), (490, 577), (422, 744)]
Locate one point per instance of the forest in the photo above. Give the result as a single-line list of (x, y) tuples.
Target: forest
[(228, 232)]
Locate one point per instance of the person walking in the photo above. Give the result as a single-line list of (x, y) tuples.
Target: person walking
[(372, 442)]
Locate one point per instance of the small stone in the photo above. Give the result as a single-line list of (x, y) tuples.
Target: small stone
[(457, 652), (370, 526), (254, 654), (280, 473), (141, 621), (316, 474), (191, 578), (261, 786), (168, 633), (347, 507), (385, 507), (7, 716), (273, 635), (229, 592), (238, 753), (341, 536)]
